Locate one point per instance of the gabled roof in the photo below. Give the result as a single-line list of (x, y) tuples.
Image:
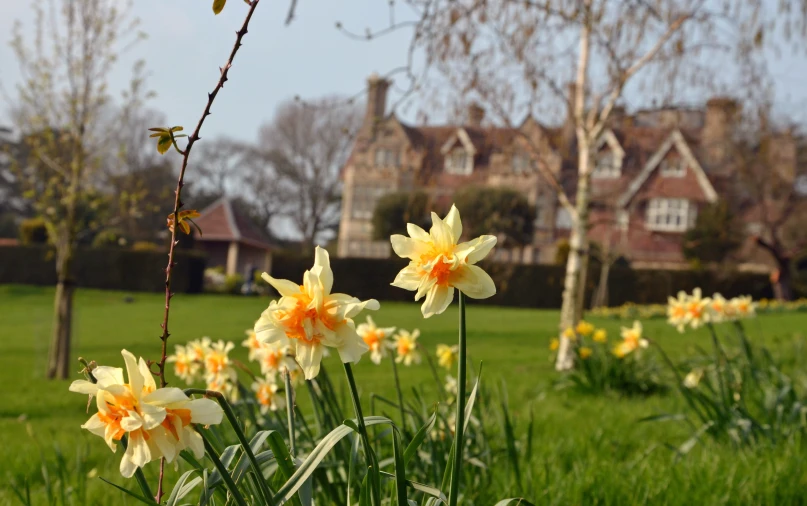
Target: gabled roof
[(220, 221), (676, 139)]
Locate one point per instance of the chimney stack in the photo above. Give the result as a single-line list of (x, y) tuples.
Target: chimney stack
[(476, 113), (376, 98), (718, 130)]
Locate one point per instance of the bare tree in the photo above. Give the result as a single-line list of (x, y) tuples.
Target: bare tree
[(527, 55), (307, 145), (65, 60)]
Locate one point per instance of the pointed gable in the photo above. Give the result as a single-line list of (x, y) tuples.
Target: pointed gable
[(220, 221)]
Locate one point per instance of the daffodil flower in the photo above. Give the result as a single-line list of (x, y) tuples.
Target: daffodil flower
[(719, 309), (631, 340), (157, 421), (405, 344), (584, 352), (375, 338), (185, 367), (276, 356), (198, 348), (253, 344), (447, 355), (743, 306), (600, 336), (696, 305), (266, 394), (677, 311), (554, 344), (438, 264), (312, 317), (584, 328)]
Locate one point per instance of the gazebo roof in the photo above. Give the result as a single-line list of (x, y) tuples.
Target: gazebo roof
[(222, 222)]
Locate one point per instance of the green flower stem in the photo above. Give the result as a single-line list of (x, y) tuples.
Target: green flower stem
[(225, 474), (228, 412), (372, 463), (459, 441), (400, 394), (290, 411), (718, 359)]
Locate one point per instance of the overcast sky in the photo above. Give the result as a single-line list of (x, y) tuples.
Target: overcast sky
[(309, 58)]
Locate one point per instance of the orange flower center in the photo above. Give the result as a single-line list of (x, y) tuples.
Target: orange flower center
[(183, 416), (272, 359), (695, 310), (264, 395), (300, 321), (215, 362), (404, 347), (373, 339)]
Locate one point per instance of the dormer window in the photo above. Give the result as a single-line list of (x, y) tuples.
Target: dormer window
[(671, 215), (520, 163), (387, 158), (673, 167), (458, 161), (608, 166)]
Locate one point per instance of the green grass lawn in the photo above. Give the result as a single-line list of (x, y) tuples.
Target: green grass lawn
[(587, 450)]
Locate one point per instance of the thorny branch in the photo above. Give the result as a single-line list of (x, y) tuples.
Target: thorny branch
[(178, 205)]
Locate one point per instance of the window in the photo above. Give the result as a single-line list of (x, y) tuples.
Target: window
[(608, 167), (563, 220), (622, 219), (387, 158), (670, 215), (459, 162), (520, 163), (364, 201), (675, 167)]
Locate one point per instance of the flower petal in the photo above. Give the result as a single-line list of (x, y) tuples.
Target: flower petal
[(472, 281), (135, 378), (309, 357), (452, 219), (83, 387), (204, 411), (106, 376), (417, 233), (165, 396), (441, 234), (405, 247), (408, 279), (322, 268), (137, 455), (352, 346), (283, 286), (437, 300), (474, 251)]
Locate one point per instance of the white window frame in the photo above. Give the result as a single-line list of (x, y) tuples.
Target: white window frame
[(607, 166), (673, 168), (385, 157), (459, 161), (520, 163), (670, 214)]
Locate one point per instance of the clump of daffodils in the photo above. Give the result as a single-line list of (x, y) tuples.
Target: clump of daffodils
[(376, 339), (406, 347), (266, 394), (695, 310), (204, 360), (584, 328), (439, 263), (631, 340), (158, 422), (309, 317)]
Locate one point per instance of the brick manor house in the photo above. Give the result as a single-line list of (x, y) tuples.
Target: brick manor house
[(654, 170)]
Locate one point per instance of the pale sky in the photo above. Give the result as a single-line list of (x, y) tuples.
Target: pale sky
[(309, 58)]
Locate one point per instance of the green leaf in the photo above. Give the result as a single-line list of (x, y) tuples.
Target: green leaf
[(164, 143), (420, 435), (177, 128), (146, 500), (181, 489), (158, 129), (515, 501), (318, 454), (218, 5), (420, 487), (400, 468)]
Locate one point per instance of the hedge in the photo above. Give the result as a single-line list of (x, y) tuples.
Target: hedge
[(105, 268), (536, 286)]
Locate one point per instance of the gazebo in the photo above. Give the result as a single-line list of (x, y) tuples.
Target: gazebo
[(231, 240)]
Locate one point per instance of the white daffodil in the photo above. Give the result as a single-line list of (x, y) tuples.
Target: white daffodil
[(375, 339), (217, 360), (718, 309), (198, 348), (252, 344), (406, 347), (266, 393), (156, 420), (438, 264), (276, 356), (677, 311), (744, 306), (631, 340), (447, 355), (185, 367), (312, 317), (697, 312)]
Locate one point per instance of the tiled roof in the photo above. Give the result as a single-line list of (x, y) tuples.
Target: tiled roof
[(222, 222)]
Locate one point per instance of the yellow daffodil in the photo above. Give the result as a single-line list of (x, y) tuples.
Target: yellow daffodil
[(677, 311), (275, 357), (406, 347), (719, 309), (438, 264), (693, 379), (554, 344), (375, 339), (224, 382), (217, 359), (570, 334), (156, 421), (697, 314), (631, 340), (447, 355), (585, 352), (744, 306), (600, 336), (266, 394), (198, 348), (312, 317), (252, 344), (185, 367), (584, 328)]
